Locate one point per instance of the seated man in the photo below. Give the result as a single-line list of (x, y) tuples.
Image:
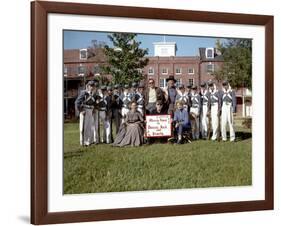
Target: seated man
[(181, 121)]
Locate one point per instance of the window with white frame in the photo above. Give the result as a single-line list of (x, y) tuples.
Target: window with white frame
[(191, 81), (83, 54), (164, 71), (209, 53), (210, 67), (190, 70), (162, 83), (81, 71), (151, 71), (178, 70), (178, 83)]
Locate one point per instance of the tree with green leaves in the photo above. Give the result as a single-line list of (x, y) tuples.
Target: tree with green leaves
[(237, 67), (125, 59)]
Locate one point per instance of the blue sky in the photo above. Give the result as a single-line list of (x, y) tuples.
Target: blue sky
[(186, 45)]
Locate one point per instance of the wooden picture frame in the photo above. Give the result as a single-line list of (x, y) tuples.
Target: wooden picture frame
[(39, 112)]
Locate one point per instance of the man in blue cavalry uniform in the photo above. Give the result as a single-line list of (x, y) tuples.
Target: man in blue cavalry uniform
[(125, 99), (85, 104), (116, 106), (182, 96), (227, 110), (195, 112), (205, 100), (215, 107), (103, 116), (171, 93)]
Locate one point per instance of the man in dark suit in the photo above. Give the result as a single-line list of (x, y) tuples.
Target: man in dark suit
[(171, 93)]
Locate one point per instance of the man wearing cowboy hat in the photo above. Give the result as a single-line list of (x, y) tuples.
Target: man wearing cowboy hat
[(227, 110), (171, 93), (151, 95), (85, 104)]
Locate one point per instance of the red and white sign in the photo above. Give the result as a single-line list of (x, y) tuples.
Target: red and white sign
[(158, 126)]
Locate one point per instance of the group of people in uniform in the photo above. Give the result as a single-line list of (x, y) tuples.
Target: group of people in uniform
[(198, 110)]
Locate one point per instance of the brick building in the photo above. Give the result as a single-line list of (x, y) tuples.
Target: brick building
[(81, 65)]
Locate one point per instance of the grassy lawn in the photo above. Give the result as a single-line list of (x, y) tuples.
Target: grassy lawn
[(103, 168)]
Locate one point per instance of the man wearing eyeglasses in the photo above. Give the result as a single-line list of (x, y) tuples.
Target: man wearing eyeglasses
[(152, 94)]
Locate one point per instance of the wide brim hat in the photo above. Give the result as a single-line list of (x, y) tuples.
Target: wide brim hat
[(171, 77), (126, 86), (109, 87)]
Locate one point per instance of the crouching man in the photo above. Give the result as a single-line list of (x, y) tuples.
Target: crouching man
[(181, 120)]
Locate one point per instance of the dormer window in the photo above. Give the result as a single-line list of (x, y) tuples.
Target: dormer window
[(210, 53), (83, 54)]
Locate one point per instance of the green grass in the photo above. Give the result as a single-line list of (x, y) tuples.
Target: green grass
[(103, 168)]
